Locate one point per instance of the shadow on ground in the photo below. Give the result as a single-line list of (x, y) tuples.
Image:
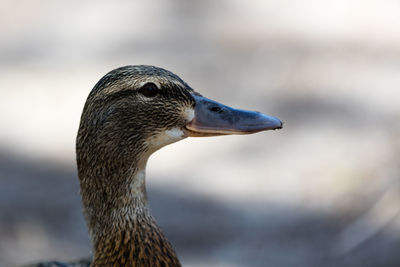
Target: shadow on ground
[(41, 219)]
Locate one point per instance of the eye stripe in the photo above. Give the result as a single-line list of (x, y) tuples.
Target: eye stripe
[(120, 95), (169, 92)]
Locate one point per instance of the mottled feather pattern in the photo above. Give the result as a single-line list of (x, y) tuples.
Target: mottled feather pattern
[(112, 148), (113, 144), (149, 247)]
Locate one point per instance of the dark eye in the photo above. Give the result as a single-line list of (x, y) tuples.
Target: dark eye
[(149, 90)]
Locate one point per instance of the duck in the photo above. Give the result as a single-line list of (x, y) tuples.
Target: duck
[(131, 112)]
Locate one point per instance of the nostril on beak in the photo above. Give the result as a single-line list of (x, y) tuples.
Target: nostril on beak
[(216, 109)]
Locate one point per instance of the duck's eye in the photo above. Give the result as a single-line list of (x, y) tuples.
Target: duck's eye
[(149, 90)]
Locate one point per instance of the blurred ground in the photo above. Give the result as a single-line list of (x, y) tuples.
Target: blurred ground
[(324, 191)]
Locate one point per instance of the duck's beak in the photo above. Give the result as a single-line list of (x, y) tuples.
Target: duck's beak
[(212, 118)]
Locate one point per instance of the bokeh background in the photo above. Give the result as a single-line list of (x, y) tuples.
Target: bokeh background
[(324, 191)]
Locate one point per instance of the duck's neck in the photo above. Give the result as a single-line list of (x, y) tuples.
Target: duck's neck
[(123, 231)]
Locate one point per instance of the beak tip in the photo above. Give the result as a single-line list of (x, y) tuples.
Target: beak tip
[(273, 123)]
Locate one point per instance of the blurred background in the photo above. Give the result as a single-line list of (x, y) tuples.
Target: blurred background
[(324, 191)]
